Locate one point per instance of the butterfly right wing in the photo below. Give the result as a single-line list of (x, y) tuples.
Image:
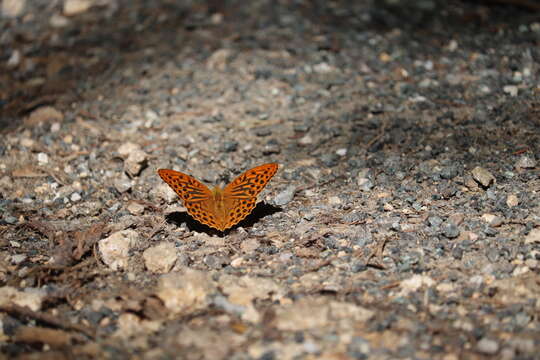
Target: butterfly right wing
[(240, 196), (196, 196)]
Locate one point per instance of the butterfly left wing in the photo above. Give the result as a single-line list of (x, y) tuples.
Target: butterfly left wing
[(187, 187), (196, 196)]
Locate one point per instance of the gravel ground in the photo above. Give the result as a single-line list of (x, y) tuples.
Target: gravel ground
[(403, 222)]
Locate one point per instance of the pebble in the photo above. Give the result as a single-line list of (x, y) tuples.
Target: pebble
[(164, 191), (13, 8), (74, 7), (365, 184), (449, 172), (482, 176), (135, 162), (512, 201), (10, 219), (492, 220), (511, 90), (115, 249), (58, 21), (435, 221), (18, 258), (135, 208), (75, 197), (237, 262), (450, 230), (14, 60), (122, 183), (334, 200), (30, 297), (135, 158), (42, 158), (487, 346), (414, 283), (230, 146), (44, 114), (185, 292), (526, 162), (305, 140), (533, 237), (160, 258), (285, 196)]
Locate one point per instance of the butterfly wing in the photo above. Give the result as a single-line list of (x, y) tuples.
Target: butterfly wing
[(196, 196), (240, 196)]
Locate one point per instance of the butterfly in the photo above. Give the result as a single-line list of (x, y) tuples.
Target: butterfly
[(220, 208)]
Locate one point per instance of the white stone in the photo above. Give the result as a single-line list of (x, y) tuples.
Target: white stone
[(42, 158), (185, 292), (160, 258), (115, 249), (512, 200), (13, 8), (30, 297), (533, 237), (74, 7), (414, 283)]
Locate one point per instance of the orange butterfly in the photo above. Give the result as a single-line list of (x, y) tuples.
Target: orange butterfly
[(220, 208)]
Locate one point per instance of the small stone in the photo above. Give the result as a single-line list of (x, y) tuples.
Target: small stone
[(14, 60), (512, 201), (341, 152), (450, 230), (10, 219), (17, 259), (13, 8), (365, 184), (135, 162), (129, 325), (533, 237), (186, 292), (285, 196), (236, 263), (492, 220), (435, 221), (160, 258), (75, 197), (414, 283), (329, 159), (525, 162), (487, 346), (334, 200), (74, 7), (29, 297), (230, 146), (42, 158), (58, 21), (305, 140), (511, 90), (449, 172), (271, 148), (115, 248), (122, 183), (482, 176), (135, 208), (27, 142), (127, 148)]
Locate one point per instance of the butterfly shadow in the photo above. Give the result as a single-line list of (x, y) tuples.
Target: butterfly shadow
[(261, 210)]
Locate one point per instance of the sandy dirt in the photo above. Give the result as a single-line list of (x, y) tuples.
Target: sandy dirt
[(403, 222)]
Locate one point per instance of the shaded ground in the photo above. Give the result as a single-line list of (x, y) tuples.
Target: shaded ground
[(404, 221)]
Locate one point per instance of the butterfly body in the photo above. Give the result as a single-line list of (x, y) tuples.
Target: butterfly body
[(220, 208)]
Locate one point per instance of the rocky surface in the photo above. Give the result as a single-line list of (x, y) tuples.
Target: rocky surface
[(404, 221)]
